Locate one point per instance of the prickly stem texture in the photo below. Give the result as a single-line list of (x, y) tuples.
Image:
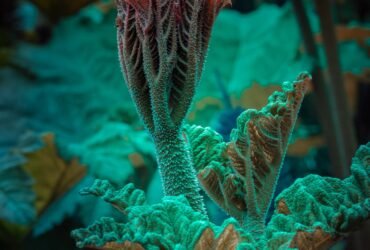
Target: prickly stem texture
[(176, 169), (162, 47)]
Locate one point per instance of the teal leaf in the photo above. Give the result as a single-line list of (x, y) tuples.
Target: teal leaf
[(123, 198), (324, 207), (170, 224), (16, 195), (267, 53), (63, 207), (107, 153), (240, 175)]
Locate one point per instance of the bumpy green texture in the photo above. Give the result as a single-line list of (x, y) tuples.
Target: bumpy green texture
[(311, 214), (162, 47), (121, 199), (241, 175), (324, 207), (171, 224)]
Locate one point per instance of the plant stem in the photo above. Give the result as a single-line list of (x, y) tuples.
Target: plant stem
[(325, 98), (340, 109), (175, 167), (254, 225)]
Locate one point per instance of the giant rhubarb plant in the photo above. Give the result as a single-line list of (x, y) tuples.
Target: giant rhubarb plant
[(162, 47)]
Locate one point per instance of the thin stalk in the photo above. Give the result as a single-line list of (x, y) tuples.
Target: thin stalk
[(326, 103), (340, 109)]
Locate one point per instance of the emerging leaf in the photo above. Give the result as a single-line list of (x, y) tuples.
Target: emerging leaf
[(241, 175), (162, 47)]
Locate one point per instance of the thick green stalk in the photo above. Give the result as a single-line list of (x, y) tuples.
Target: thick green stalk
[(175, 166), (162, 47)]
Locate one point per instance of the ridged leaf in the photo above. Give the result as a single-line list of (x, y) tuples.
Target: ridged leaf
[(317, 211), (240, 175), (122, 199)]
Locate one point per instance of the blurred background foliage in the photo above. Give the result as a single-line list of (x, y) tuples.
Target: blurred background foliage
[(66, 116)]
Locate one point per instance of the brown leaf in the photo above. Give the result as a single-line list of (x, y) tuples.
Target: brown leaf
[(318, 239), (127, 245), (228, 239), (53, 176), (282, 207), (206, 241)]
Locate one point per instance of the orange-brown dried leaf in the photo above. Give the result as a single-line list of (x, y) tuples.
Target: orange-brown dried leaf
[(228, 239), (53, 175), (282, 207), (316, 240), (127, 245), (206, 240)]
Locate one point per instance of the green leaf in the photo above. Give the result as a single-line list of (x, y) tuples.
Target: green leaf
[(121, 199), (117, 153), (316, 210), (63, 207), (169, 224), (240, 176)]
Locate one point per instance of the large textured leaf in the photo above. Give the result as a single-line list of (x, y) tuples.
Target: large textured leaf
[(241, 175), (169, 224), (317, 211), (48, 79), (312, 214), (63, 207), (274, 45), (118, 153)]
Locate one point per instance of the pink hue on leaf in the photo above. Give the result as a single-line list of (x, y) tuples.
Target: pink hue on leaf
[(162, 46)]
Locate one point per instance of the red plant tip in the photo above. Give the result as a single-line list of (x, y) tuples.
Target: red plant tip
[(163, 43)]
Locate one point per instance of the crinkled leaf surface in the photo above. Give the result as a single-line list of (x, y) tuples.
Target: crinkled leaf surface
[(316, 211), (240, 175), (312, 214), (170, 224)]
